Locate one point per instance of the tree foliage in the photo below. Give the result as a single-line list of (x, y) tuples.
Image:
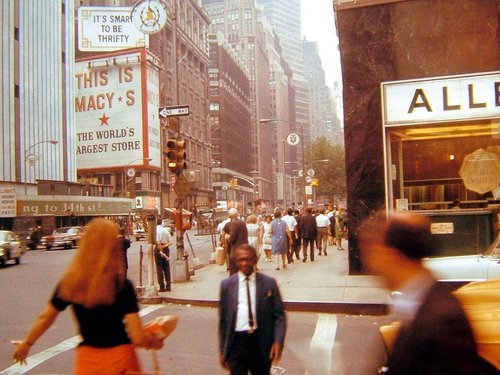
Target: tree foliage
[(331, 175)]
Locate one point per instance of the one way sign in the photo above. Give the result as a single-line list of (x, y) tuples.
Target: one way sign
[(174, 111)]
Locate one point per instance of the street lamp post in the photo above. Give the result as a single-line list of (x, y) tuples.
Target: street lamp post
[(304, 172), (301, 129), (125, 180), (26, 155)]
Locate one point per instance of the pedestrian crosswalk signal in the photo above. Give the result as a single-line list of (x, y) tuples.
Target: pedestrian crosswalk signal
[(176, 155)]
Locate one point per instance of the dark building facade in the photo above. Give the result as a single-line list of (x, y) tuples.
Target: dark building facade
[(230, 123), (447, 47)]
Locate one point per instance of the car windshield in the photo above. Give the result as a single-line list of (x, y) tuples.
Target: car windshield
[(495, 254), (60, 231), (3, 236), (493, 250)]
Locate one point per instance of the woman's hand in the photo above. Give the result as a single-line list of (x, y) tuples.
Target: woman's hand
[(152, 342), (21, 352)]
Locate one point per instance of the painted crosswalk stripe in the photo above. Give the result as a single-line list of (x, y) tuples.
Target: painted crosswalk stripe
[(68, 344), (322, 344)]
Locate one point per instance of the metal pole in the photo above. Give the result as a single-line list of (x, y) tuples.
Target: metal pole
[(150, 290), (304, 204), (284, 176), (181, 260), (52, 141)]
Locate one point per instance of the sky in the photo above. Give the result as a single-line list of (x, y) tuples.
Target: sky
[(318, 24)]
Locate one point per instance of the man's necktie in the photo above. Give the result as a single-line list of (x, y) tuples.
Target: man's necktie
[(249, 302)]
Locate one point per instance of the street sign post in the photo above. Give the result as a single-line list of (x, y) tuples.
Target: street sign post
[(181, 187), (173, 111)]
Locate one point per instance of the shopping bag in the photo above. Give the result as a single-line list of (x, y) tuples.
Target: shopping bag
[(156, 367), (220, 257), (162, 326)]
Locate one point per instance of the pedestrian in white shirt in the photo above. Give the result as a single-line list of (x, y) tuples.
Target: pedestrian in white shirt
[(323, 223)]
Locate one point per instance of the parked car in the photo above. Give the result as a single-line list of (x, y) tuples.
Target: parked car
[(65, 237), (10, 247), (467, 268), (139, 233), (481, 302)]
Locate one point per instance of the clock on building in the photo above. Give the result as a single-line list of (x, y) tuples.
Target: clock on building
[(149, 16)]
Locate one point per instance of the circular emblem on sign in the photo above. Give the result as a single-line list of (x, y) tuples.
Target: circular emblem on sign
[(149, 16), (131, 172), (310, 172), (293, 139)]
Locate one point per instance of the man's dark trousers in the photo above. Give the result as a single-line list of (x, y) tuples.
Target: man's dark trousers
[(163, 269), (311, 243), (246, 356)]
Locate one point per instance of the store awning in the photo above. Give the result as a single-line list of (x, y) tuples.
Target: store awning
[(172, 211)]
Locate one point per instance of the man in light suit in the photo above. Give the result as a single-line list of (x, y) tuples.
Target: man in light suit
[(435, 336), (252, 321)]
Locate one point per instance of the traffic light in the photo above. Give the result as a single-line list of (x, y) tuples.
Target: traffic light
[(233, 183), (314, 182), (176, 155)]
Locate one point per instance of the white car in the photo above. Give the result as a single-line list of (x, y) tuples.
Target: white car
[(466, 268), (10, 247)]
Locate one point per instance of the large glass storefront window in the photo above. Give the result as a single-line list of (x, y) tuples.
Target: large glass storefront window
[(432, 166), (442, 142)]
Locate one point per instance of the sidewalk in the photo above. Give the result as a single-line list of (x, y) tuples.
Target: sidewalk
[(323, 286)]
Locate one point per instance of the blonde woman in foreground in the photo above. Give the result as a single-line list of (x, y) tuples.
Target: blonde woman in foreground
[(104, 304)]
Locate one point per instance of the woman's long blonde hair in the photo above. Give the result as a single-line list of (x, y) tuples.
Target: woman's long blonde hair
[(98, 268)]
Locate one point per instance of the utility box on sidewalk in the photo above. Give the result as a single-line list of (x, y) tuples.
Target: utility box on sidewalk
[(180, 270)]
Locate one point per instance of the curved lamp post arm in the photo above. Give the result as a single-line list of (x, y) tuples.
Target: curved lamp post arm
[(27, 154), (125, 182)]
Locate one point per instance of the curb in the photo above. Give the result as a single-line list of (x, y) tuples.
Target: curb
[(348, 308)]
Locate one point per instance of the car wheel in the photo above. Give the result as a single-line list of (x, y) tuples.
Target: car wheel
[(18, 260), (48, 247), (2, 262), (69, 246), (32, 246)]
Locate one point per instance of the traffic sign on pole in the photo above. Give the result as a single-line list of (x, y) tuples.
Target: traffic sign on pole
[(181, 187), (178, 110)]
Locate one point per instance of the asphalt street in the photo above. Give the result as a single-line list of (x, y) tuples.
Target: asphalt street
[(337, 343)]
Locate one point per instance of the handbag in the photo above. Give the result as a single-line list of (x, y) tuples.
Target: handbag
[(220, 255), (156, 367), (161, 327)]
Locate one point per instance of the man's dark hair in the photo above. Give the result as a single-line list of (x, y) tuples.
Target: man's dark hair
[(309, 210), (247, 247), (411, 235), (289, 211)]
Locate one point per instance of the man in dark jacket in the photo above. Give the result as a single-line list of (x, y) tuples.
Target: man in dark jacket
[(252, 320), (308, 230), (435, 336), (236, 233)]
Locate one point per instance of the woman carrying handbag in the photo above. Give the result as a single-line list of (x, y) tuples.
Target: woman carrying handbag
[(105, 306)]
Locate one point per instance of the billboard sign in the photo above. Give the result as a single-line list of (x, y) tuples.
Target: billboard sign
[(108, 29), (114, 124), (7, 202)]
